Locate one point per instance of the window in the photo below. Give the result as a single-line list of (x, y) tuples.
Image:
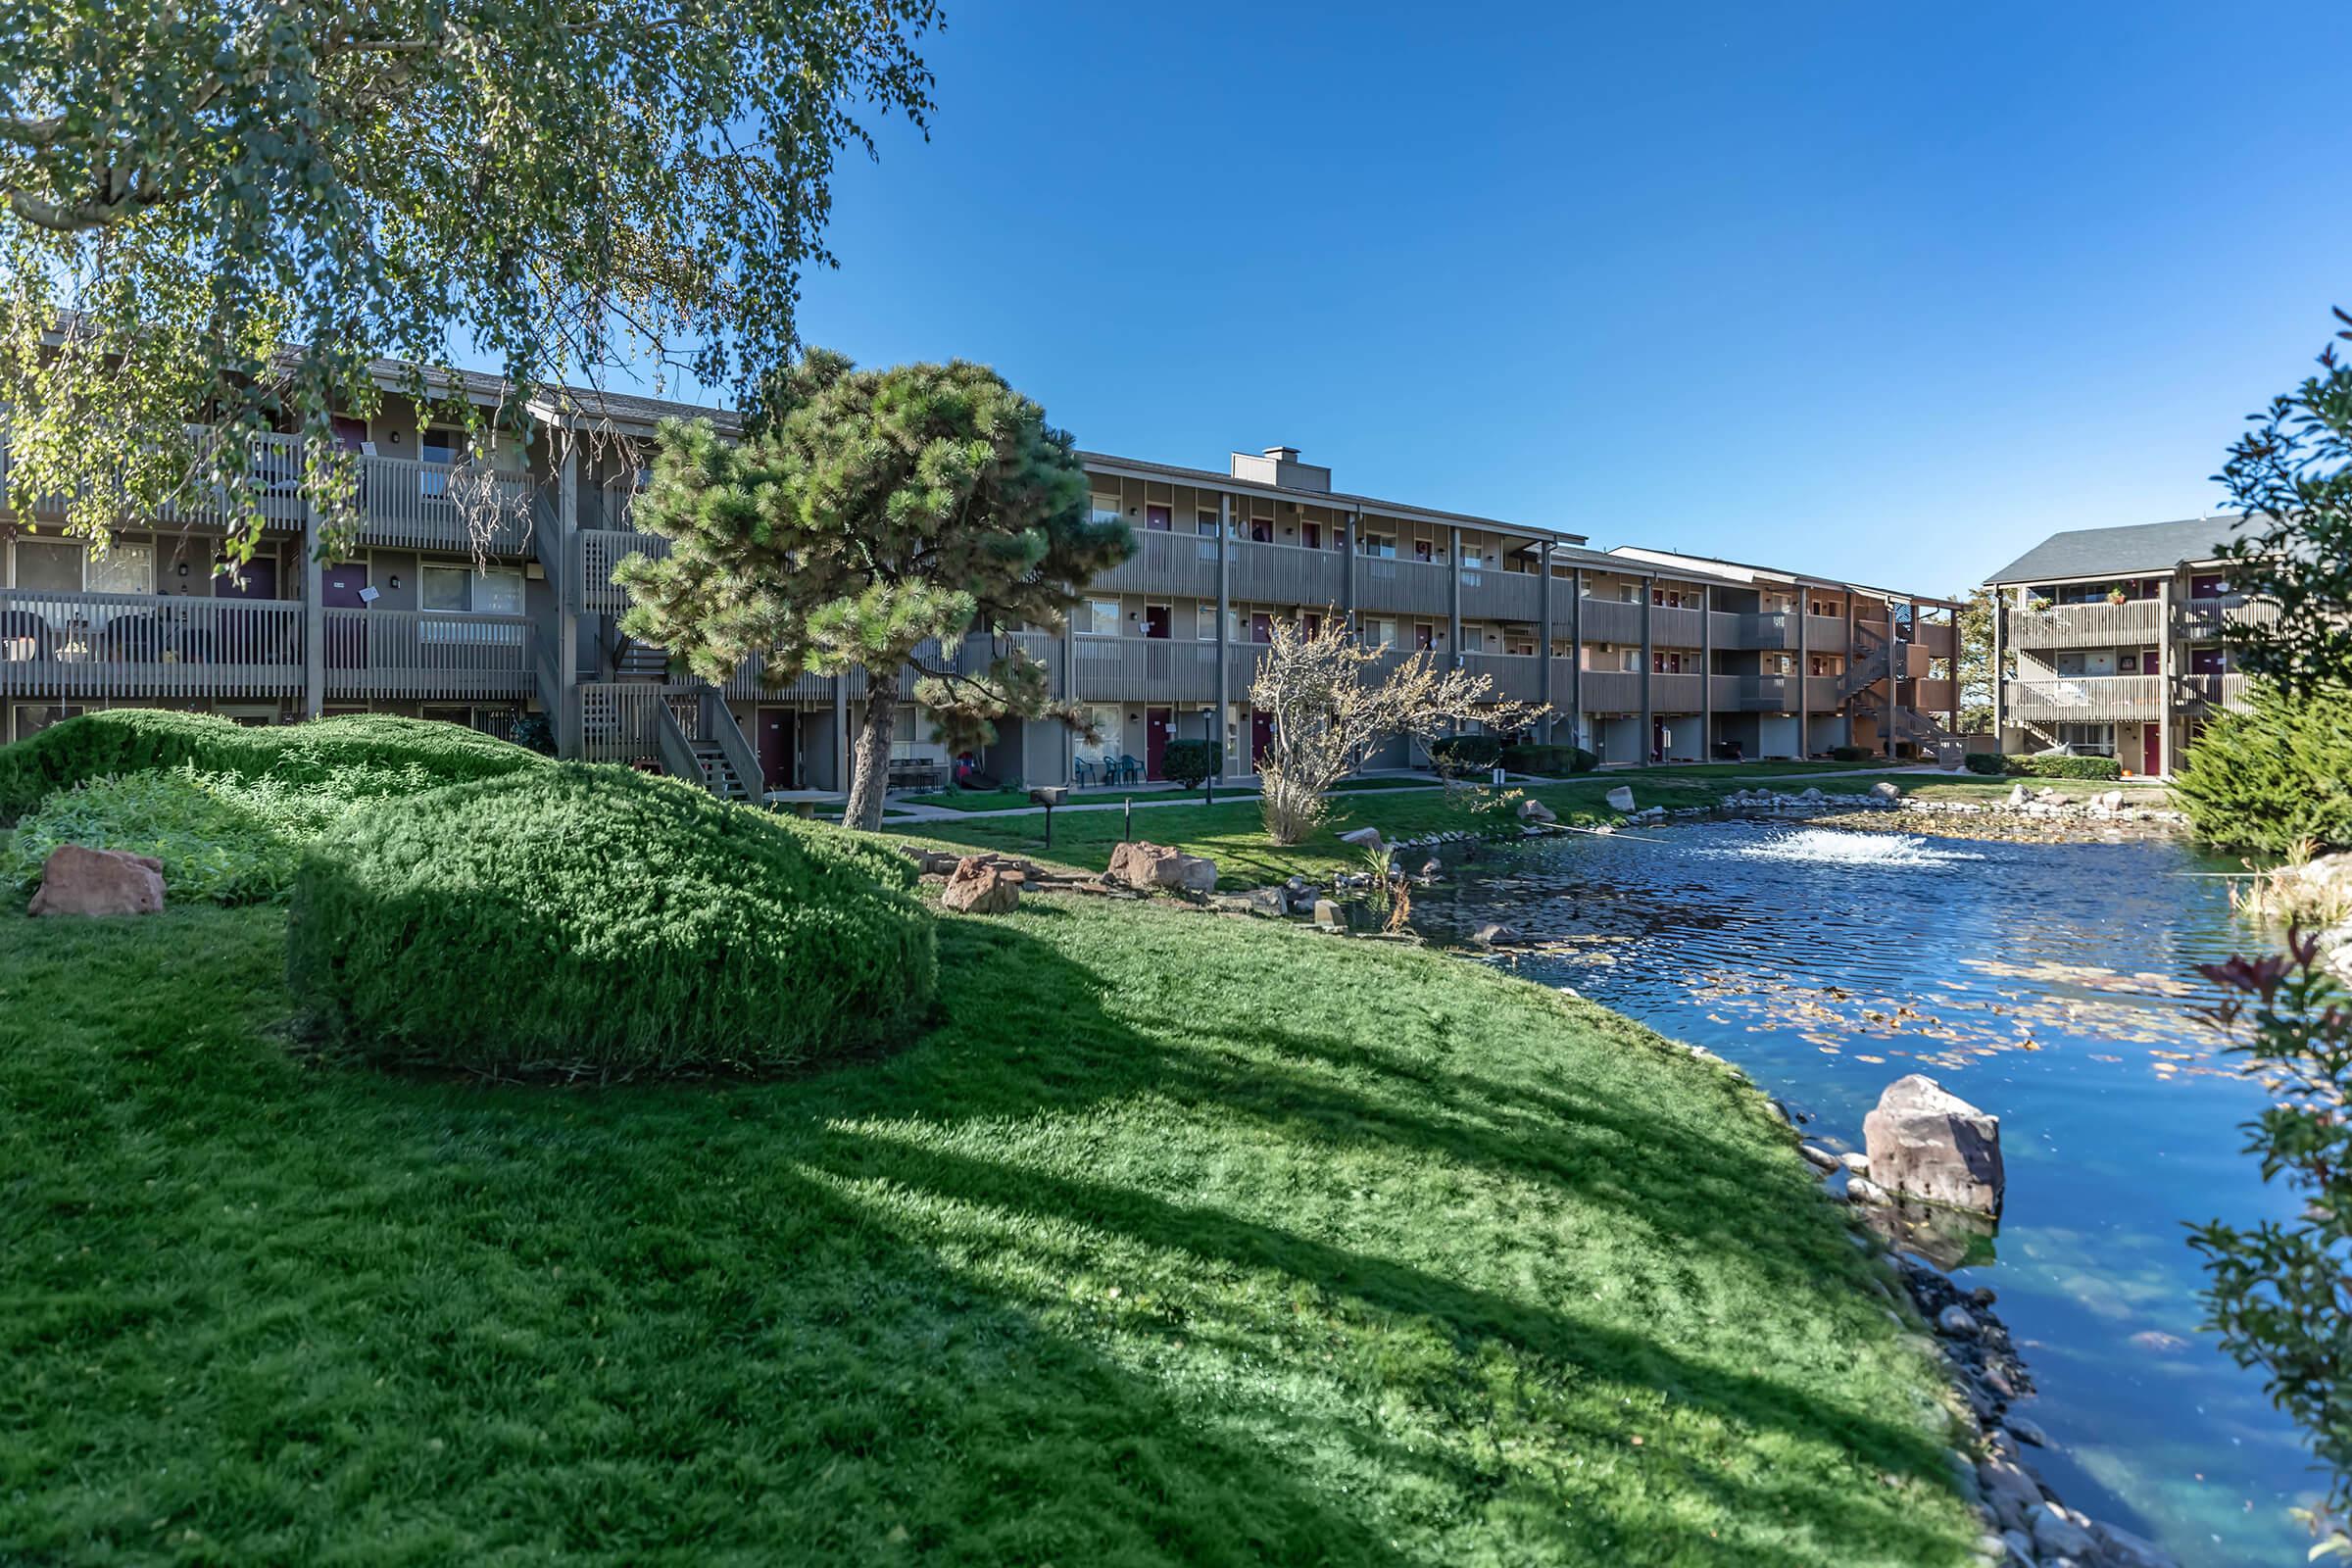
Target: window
[(1628, 593), (1261, 530), (436, 447), (1379, 632), (1105, 509), (1098, 617), (127, 569), (1380, 545), (1104, 721), (1204, 622), (462, 590), (49, 566), (1422, 549), (1206, 521)]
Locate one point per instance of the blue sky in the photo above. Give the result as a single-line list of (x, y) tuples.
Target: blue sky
[(1885, 290)]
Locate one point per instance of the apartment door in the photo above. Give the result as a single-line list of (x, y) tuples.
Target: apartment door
[(1158, 520), (1310, 534), (2207, 661), (346, 588), (1262, 735), (1261, 627), (1159, 726), (256, 579), (2151, 749), (1261, 531), (779, 744), (1157, 621)]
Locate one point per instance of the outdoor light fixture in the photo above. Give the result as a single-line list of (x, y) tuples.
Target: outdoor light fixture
[(393, 582)]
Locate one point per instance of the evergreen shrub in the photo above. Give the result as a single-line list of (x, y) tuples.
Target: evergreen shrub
[(1549, 759), (1465, 754), (1188, 762), (1985, 762), (2270, 780), (2099, 769), (583, 920)]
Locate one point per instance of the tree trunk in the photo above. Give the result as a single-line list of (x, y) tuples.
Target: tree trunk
[(869, 772)]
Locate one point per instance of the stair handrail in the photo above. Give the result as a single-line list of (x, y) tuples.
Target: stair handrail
[(669, 737), (719, 725)]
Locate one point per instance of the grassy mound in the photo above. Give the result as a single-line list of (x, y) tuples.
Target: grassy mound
[(135, 740), (1176, 1238), (593, 920)]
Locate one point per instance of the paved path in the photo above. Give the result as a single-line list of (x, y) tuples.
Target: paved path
[(1112, 798)]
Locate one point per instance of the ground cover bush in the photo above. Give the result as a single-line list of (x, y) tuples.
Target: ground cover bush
[(1851, 754), (2062, 766), (1987, 763), (1188, 762), (134, 740), (2271, 780), (221, 837), (1149, 1249), (1465, 754), (585, 921)]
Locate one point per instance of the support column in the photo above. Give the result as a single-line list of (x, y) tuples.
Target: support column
[(2164, 678), (1706, 672), (1544, 641), (1893, 675), (1453, 591), (841, 734), (1853, 662), (1649, 711), (566, 720), (1576, 656), (1804, 679), (2000, 684), (1347, 527), (314, 616), (1243, 736)]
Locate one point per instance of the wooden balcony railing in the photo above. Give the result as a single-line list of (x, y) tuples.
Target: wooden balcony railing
[(1610, 620), (1402, 587), (2210, 619), (1755, 694), (2130, 624), (1178, 565), (407, 653), (1612, 691), (1287, 574), (1491, 594), (595, 552), (1678, 694), (1753, 630), (1673, 627), (2087, 699), (1512, 677), (444, 506), (1142, 669), (1825, 634), (146, 645)]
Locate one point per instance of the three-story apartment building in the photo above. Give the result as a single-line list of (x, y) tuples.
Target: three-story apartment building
[(2112, 641), (480, 589)]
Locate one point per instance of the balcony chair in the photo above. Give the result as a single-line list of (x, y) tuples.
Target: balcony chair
[(1131, 771), (24, 636), (1082, 771), (135, 640)]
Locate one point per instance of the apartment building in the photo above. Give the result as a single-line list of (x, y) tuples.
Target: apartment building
[(2112, 641), (479, 590)]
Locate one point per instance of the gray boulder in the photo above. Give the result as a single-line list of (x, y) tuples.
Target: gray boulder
[(2010, 1492), (1532, 810), (1140, 863), (1368, 837), (1927, 1143), (2058, 1531), (1886, 789), (1620, 798), (979, 887)]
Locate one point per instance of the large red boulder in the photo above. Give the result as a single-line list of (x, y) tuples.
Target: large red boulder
[(99, 882)]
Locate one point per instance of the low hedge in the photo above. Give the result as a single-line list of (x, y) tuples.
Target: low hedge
[(582, 921), (137, 740), (1465, 754), (1188, 762), (1549, 759), (1989, 763), (1852, 753), (2085, 768)]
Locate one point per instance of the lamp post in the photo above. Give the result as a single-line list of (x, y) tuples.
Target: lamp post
[(1208, 734)]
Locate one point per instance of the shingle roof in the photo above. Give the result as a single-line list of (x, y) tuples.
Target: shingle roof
[(2104, 552)]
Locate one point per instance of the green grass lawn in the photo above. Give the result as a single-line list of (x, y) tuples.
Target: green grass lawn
[(1176, 1238), (1228, 832)]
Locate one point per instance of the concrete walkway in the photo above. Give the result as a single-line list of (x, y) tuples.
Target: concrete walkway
[(1146, 795)]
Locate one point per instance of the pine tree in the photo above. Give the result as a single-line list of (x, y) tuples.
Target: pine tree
[(869, 519), (2275, 780)]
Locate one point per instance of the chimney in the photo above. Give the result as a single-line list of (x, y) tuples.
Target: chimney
[(1280, 466), (1283, 453)]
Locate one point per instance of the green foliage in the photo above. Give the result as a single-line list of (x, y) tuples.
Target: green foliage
[(2291, 474), (1550, 761), (1971, 638), (591, 921), (1161, 1243), (222, 838), (866, 514), (1852, 753), (1188, 762), (1465, 754), (2060, 766), (131, 740), (1989, 763), (2281, 1295), (2265, 781), (236, 210)]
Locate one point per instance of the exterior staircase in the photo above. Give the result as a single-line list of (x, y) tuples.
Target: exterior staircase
[(719, 774), (636, 661)]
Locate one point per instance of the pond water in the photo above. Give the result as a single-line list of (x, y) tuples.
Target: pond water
[(2049, 984)]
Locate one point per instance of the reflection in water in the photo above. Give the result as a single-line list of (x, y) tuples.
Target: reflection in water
[(2051, 985)]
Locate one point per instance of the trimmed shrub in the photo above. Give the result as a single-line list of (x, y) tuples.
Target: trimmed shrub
[(1188, 762), (2099, 769), (587, 921), (1549, 759), (1983, 763), (1465, 754), (1852, 753), (135, 740), (2264, 782)]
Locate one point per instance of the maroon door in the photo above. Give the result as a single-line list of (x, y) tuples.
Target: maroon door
[(1261, 628), (1156, 518), (2152, 750), (1261, 532), (346, 587), (775, 747), (1310, 534), (256, 579), (1155, 620), (2207, 661), (1159, 725), (1261, 734)]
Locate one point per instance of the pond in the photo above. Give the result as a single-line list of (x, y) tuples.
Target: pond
[(2051, 985)]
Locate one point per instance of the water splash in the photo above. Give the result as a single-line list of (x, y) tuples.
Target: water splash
[(1822, 846)]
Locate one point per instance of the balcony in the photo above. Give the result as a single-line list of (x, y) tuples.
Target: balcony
[(1755, 694), (1767, 631), (1608, 621), (407, 653), (147, 646), (1490, 594), (460, 507), (1678, 694), (595, 552), (1403, 587), (1825, 634), (1142, 669), (1176, 564), (2085, 699), (2134, 623), (1938, 638), (1821, 693), (1672, 628), (1286, 574), (2214, 691), (1932, 696), (1243, 661), (2211, 619), (1611, 691), (1512, 677)]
